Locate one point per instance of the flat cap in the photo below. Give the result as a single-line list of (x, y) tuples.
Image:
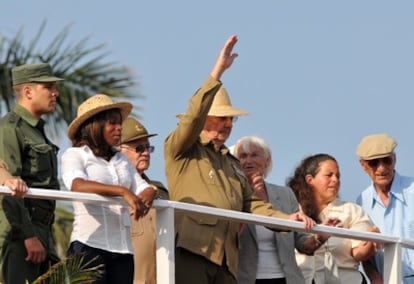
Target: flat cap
[(32, 73), (376, 146), (133, 130)]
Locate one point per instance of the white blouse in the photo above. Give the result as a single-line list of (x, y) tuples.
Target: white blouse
[(333, 263), (102, 226)]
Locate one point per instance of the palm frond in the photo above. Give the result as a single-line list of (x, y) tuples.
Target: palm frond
[(73, 270), (82, 64)]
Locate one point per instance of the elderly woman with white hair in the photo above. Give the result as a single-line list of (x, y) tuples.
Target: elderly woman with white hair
[(266, 256)]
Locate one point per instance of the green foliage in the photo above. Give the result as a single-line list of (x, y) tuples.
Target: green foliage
[(82, 65), (71, 270), (62, 229)]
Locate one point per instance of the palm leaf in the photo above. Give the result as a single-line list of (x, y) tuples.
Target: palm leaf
[(83, 66), (71, 270)]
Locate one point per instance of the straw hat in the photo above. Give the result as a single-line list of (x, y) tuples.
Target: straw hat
[(94, 105), (221, 106), (132, 130)]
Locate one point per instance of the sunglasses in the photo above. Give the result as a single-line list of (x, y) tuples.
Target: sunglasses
[(224, 118), (387, 161), (141, 148)]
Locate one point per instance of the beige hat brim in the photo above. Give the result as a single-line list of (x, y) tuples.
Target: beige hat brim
[(221, 111), (373, 157), (73, 127), (226, 111)]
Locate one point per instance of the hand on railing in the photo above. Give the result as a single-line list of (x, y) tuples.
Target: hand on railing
[(366, 249), (146, 198), (17, 187), (332, 222), (299, 216), (135, 204)]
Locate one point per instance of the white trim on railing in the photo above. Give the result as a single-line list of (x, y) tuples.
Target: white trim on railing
[(165, 224)]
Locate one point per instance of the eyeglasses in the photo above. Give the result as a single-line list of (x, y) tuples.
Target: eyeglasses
[(224, 118), (386, 161), (141, 148)]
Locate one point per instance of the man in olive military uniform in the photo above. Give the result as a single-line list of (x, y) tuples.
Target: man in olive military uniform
[(135, 145), (29, 248), (200, 170)]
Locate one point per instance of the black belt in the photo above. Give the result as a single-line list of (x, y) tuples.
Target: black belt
[(41, 215)]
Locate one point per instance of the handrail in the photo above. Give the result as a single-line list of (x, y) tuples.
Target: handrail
[(165, 224)]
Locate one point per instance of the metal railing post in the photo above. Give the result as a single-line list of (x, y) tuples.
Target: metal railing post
[(165, 246), (392, 263)]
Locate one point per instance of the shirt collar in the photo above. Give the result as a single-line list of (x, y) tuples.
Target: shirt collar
[(396, 188), (26, 115), (395, 191), (334, 206), (206, 141)]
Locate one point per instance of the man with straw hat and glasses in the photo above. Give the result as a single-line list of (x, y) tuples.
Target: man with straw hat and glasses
[(200, 170), (135, 145), (94, 165), (31, 156)]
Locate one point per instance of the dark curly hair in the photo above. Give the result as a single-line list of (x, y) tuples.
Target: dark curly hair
[(304, 193)]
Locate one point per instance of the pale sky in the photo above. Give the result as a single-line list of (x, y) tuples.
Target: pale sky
[(316, 76)]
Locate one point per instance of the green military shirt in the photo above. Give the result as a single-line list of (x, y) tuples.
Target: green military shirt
[(32, 157)]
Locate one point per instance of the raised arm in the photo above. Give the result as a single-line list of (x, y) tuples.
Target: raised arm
[(225, 58)]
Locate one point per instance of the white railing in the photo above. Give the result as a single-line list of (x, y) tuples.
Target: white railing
[(165, 226)]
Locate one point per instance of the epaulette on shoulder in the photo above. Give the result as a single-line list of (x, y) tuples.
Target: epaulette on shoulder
[(230, 155), (13, 118)]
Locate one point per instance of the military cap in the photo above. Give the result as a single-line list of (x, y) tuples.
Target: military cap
[(376, 146), (132, 130), (32, 73)]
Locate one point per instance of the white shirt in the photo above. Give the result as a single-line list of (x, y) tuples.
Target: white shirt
[(268, 264), (333, 263), (102, 226)]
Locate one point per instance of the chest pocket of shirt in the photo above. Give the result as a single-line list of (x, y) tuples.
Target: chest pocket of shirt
[(40, 157)]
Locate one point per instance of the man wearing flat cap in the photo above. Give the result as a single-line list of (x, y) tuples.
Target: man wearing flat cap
[(200, 170), (389, 200), (30, 155), (135, 145)]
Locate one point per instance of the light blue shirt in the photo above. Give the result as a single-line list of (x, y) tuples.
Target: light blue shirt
[(397, 219)]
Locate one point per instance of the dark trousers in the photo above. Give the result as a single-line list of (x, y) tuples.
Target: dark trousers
[(191, 268), (15, 269), (117, 268)]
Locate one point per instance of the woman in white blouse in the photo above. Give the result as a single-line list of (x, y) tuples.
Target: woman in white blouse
[(316, 183), (93, 165)]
